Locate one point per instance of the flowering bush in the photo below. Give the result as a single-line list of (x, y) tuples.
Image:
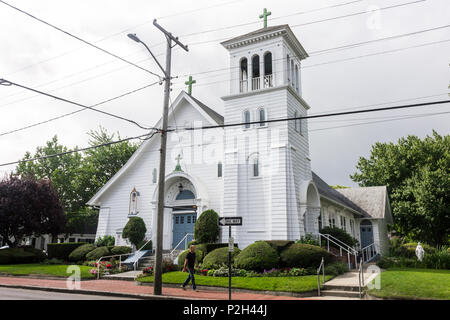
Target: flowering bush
[(204, 272), (148, 271), (287, 272)]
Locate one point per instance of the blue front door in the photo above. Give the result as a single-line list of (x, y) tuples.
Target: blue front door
[(183, 223), (366, 233)]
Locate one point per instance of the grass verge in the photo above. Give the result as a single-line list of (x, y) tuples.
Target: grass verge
[(43, 269), (409, 283), (286, 284)]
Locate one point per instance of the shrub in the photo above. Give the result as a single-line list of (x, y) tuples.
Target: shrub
[(206, 228), (182, 256), (54, 261), (437, 260), (336, 268), (340, 234), (144, 245), (308, 239), (257, 256), (120, 250), (219, 257), (105, 241), (79, 254), (279, 245), (98, 253), (224, 271), (134, 230), (300, 255), (62, 250), (21, 255)]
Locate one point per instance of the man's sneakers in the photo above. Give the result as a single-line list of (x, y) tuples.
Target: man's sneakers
[(183, 287)]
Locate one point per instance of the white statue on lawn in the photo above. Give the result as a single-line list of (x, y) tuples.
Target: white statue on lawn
[(419, 251)]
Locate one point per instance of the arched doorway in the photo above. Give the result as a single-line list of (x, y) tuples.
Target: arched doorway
[(311, 217), (366, 233)]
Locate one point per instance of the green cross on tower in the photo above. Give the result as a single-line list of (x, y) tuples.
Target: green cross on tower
[(178, 166), (189, 84), (264, 16)]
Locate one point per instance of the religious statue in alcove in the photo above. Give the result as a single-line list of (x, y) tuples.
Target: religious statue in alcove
[(133, 208)]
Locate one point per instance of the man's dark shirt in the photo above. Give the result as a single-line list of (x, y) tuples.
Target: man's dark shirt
[(191, 260)]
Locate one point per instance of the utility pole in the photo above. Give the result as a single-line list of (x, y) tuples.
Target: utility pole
[(157, 287)]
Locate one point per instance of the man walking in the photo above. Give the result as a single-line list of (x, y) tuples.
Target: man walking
[(189, 263)]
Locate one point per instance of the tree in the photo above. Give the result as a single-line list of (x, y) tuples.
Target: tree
[(206, 228), (134, 230), (77, 176), (417, 175), (29, 207)]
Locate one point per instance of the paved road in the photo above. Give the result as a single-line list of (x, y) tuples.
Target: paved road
[(23, 294)]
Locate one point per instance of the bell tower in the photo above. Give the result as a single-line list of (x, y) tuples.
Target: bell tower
[(265, 162)]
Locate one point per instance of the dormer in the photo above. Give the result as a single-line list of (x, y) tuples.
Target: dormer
[(265, 58)]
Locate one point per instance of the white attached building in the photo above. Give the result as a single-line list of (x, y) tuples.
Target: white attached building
[(259, 171)]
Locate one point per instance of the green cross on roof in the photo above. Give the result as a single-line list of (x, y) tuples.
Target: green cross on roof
[(178, 166), (189, 84), (264, 16)]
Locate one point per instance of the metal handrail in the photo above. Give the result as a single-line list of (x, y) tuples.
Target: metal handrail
[(369, 253), (360, 277), (116, 255), (321, 266), (349, 252), (340, 241), (137, 261), (184, 239)]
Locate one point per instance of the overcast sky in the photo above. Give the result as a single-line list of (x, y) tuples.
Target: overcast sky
[(38, 56)]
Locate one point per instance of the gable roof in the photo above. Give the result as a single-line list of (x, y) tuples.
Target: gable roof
[(207, 112), (373, 200), (326, 191)]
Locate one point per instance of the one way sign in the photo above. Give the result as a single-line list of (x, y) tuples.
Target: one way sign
[(230, 221)]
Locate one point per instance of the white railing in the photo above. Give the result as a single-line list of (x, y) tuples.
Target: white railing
[(136, 263), (243, 86), (341, 245), (256, 83), (368, 253), (268, 81), (360, 277), (181, 241), (321, 267)]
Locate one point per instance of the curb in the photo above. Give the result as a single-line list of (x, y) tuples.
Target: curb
[(306, 294), (39, 277), (97, 293)]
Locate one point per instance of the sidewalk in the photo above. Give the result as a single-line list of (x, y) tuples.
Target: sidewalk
[(128, 288)]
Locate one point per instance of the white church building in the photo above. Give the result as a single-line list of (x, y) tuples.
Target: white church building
[(258, 171)]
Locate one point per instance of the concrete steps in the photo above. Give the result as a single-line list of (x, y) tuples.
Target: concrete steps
[(340, 291)]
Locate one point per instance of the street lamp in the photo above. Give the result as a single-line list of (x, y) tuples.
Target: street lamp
[(134, 37)]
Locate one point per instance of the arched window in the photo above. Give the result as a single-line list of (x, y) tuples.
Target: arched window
[(219, 169), (256, 167), (133, 205), (247, 119), (288, 69), (292, 74), (185, 195), (268, 77), (262, 117), (255, 72), (243, 77), (154, 175)]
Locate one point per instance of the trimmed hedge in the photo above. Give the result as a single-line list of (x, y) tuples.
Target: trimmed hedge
[(339, 234), (62, 250), (79, 254), (279, 245), (206, 228), (120, 250), (98, 253), (219, 257), (408, 250), (182, 256), (21, 255), (257, 256), (299, 255)]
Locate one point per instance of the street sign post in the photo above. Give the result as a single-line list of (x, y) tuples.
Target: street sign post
[(230, 221)]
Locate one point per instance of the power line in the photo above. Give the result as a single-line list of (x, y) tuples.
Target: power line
[(77, 111), (80, 39), (78, 150), (9, 83), (227, 125)]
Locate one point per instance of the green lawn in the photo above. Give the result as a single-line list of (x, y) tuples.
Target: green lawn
[(408, 283), (288, 284), (43, 269)]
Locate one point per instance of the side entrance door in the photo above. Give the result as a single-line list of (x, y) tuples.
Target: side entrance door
[(183, 223)]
